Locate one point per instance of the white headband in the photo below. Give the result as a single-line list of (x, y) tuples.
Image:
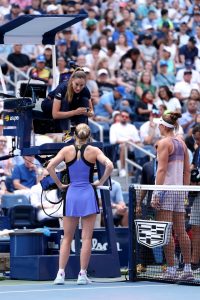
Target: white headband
[(162, 122)]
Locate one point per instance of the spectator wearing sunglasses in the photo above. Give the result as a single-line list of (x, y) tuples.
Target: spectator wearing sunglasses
[(120, 133)]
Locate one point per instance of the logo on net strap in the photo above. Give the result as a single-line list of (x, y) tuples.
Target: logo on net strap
[(153, 233)]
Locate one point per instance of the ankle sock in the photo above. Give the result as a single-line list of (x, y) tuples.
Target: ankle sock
[(83, 271), (61, 272)]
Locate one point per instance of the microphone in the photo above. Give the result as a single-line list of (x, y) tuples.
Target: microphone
[(32, 91), (26, 88)]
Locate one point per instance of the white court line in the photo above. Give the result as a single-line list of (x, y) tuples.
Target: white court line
[(85, 288), (25, 284)]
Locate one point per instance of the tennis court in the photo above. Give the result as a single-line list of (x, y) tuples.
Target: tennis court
[(99, 289)]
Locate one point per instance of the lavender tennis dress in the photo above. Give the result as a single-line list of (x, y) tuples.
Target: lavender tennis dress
[(174, 200), (81, 197)]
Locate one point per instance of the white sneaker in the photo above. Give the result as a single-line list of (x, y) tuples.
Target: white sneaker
[(83, 279), (170, 276), (122, 173), (60, 279), (187, 276)]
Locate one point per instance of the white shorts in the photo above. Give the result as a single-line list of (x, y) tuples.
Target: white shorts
[(173, 201)]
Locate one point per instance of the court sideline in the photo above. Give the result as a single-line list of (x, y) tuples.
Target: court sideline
[(98, 290)]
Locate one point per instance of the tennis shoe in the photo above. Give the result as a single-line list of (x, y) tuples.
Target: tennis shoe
[(83, 279), (170, 276), (60, 279), (186, 276), (195, 268)]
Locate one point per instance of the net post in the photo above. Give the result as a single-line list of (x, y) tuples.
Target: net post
[(132, 234)]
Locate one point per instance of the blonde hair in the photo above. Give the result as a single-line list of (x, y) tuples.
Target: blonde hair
[(82, 131), (78, 73)]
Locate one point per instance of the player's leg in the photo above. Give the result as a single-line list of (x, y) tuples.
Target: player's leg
[(69, 225), (195, 244), (185, 244), (169, 249), (87, 232)]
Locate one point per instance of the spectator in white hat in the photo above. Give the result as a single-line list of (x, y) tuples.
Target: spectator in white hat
[(103, 82), (53, 9)]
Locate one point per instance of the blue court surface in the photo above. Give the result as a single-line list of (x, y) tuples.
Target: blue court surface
[(99, 289)]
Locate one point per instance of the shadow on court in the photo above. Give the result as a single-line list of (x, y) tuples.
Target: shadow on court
[(104, 289)]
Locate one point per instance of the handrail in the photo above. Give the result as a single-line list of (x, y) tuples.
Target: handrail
[(14, 67), (134, 164), (141, 149), (16, 71), (100, 127)]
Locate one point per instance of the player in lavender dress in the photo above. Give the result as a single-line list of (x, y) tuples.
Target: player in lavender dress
[(173, 169), (81, 198)]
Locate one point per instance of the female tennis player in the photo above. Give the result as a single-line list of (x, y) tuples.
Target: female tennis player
[(173, 169), (81, 197)]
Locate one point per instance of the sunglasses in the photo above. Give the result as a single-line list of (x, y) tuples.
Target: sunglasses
[(125, 117)]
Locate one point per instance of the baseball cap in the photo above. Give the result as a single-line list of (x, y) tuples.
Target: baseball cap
[(48, 47), (115, 113), (52, 7), (166, 24), (61, 42), (68, 2), (163, 63), (147, 36), (147, 27), (122, 4), (68, 29), (121, 90), (102, 71), (187, 72), (86, 69), (15, 5), (91, 22), (41, 58), (192, 40)]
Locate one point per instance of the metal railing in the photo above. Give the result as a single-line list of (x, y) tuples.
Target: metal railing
[(99, 127), (133, 163), (17, 72)]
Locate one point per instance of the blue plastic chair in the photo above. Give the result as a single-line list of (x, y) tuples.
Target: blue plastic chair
[(11, 200)]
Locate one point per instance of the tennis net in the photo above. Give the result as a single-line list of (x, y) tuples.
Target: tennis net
[(165, 238)]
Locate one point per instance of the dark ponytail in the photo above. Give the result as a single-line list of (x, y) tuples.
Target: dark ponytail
[(171, 118)]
